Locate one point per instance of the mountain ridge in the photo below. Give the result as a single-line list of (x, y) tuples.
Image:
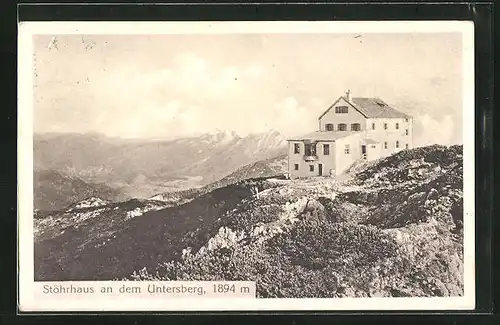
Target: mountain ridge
[(54, 191)]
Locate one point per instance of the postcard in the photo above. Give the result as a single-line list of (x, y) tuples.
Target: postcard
[(246, 166)]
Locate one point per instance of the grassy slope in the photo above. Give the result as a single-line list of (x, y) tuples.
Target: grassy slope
[(365, 241)]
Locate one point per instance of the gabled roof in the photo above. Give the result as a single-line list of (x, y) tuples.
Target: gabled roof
[(323, 136), (376, 108), (335, 102), (370, 108)]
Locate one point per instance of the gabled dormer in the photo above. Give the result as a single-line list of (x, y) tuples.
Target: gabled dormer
[(341, 116), (347, 112)]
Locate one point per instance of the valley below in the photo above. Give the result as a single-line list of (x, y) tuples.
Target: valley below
[(141, 168)]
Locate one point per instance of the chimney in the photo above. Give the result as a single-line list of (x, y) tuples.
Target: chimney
[(348, 95)]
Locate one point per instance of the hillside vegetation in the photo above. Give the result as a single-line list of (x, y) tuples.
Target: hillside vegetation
[(393, 227)]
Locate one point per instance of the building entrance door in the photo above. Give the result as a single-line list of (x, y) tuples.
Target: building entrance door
[(320, 169), (363, 150)]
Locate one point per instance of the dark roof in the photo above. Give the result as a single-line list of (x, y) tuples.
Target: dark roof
[(376, 108), (370, 108), (324, 136)]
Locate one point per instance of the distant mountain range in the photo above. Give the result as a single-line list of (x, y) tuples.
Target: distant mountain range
[(141, 168)]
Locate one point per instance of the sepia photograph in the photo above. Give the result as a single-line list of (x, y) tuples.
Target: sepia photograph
[(325, 164)]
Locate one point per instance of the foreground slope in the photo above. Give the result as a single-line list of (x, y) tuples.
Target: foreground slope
[(393, 228)]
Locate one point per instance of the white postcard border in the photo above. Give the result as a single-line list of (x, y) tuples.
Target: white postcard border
[(26, 297)]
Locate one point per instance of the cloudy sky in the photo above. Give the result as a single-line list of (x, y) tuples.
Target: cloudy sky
[(175, 85)]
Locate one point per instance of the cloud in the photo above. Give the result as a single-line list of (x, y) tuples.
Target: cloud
[(176, 84), (429, 130), (254, 70), (191, 64), (192, 75), (292, 118), (170, 118)]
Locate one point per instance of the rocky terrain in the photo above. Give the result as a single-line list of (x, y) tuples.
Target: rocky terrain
[(391, 227)]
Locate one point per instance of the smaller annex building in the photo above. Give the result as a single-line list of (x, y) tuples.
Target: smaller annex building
[(349, 130)]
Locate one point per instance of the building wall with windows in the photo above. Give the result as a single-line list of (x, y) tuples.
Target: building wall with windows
[(336, 116), (299, 167), (354, 129), (393, 134), (373, 151), (348, 150)]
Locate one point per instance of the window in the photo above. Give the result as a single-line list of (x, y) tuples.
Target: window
[(329, 127), (296, 167), (406, 132), (341, 110), (311, 168), (326, 149), (385, 126), (406, 146), (373, 146), (346, 149), (310, 149), (342, 127), (397, 126), (355, 127), (373, 126), (406, 120), (385, 145), (397, 144), (296, 148)]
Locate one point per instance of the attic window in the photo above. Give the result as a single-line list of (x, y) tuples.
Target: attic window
[(341, 110), (329, 127)]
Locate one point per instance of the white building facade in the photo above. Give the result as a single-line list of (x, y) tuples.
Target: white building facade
[(349, 130)]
